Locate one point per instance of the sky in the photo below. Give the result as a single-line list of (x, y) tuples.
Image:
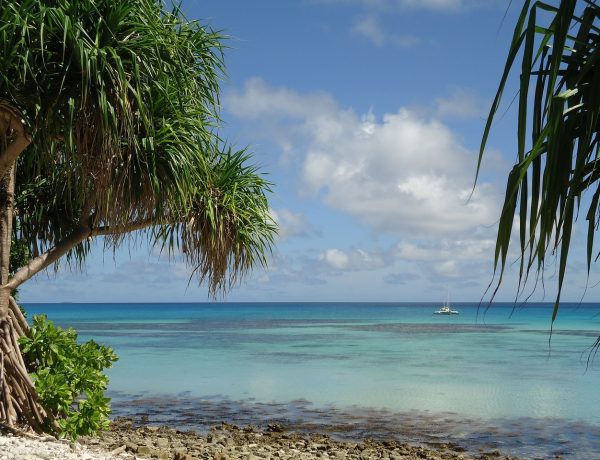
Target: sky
[(366, 115)]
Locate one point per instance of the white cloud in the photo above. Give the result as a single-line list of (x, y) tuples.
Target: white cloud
[(259, 99), (370, 28), (335, 258), (354, 260), (290, 224), (447, 268), (449, 259), (402, 174), (331, 272), (477, 248), (462, 103), (315, 269), (287, 270), (434, 5), (407, 174), (431, 4)]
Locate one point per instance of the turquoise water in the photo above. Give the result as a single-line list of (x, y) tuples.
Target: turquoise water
[(489, 367)]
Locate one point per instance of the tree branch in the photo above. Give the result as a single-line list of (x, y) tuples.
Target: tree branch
[(120, 229), (41, 262)]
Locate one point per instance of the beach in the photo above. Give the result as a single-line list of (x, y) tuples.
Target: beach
[(125, 440)]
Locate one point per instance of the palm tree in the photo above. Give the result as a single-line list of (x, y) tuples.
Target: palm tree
[(108, 126), (559, 108)]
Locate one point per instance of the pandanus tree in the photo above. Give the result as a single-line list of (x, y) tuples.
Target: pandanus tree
[(108, 126), (557, 170)]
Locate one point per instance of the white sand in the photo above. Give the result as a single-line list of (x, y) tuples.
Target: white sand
[(21, 448)]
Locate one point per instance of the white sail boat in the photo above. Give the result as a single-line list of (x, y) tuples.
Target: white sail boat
[(446, 310)]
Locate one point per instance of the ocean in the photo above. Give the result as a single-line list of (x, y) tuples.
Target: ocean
[(487, 379)]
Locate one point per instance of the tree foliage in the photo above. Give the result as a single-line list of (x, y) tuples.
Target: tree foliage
[(69, 377), (121, 100), (557, 169)]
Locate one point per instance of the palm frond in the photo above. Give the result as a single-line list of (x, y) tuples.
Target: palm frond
[(122, 100), (561, 61)]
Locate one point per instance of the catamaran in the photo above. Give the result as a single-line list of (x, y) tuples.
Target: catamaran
[(446, 310)]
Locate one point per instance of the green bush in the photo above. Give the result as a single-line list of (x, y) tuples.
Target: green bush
[(69, 377)]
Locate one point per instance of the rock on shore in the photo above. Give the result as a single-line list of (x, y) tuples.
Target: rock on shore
[(124, 441)]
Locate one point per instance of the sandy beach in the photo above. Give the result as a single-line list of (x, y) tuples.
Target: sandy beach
[(225, 442)]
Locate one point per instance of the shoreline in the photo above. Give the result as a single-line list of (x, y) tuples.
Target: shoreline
[(519, 437), (231, 442), (125, 440), (229, 430)]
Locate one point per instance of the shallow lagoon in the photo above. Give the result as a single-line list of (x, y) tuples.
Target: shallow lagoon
[(491, 376)]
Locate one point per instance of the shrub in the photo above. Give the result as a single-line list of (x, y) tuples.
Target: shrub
[(69, 377)]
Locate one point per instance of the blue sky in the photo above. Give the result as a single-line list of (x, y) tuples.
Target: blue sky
[(367, 116)]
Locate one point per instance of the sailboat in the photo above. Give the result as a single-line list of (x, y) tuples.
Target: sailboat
[(446, 310)]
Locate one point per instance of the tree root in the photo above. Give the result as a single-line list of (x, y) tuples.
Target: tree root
[(19, 402)]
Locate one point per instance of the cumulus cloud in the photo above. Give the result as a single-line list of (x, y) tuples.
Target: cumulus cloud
[(284, 269), (451, 259), (478, 247), (335, 258), (259, 99), (401, 173), (370, 28), (462, 103), (290, 224), (315, 268), (355, 260)]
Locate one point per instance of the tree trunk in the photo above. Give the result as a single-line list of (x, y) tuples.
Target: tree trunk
[(19, 403), (7, 192)]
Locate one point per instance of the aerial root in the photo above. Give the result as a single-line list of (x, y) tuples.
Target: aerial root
[(19, 402)]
